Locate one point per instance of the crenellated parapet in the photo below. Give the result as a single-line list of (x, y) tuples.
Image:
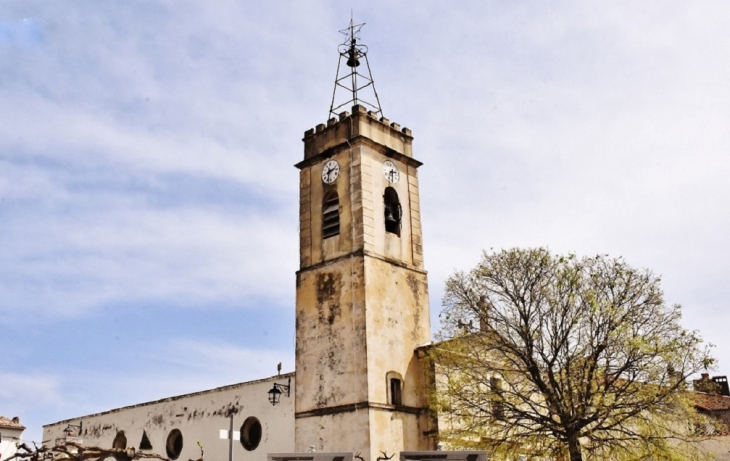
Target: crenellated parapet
[(361, 123)]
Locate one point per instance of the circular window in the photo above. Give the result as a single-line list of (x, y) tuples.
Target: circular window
[(251, 433), (174, 444)]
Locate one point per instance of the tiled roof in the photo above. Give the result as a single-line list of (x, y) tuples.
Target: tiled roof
[(10, 423), (711, 402)]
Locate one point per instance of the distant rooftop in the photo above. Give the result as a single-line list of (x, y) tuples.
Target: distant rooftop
[(710, 402), (14, 423)]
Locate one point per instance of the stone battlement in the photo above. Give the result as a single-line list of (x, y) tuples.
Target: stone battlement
[(359, 123)]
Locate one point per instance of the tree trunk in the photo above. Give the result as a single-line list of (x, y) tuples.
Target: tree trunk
[(574, 448)]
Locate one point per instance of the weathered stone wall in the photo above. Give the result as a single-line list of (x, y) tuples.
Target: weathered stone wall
[(199, 417), (331, 355), (336, 432)]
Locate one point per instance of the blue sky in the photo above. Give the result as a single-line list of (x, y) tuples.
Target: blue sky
[(148, 199)]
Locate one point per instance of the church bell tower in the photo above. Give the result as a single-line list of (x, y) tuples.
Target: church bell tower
[(362, 295)]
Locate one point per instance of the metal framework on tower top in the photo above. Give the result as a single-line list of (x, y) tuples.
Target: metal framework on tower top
[(352, 82)]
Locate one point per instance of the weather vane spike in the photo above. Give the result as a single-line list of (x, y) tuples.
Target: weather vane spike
[(351, 81)]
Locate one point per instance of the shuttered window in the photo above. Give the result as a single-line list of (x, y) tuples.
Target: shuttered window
[(331, 216)]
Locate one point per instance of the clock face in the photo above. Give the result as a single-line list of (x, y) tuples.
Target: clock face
[(390, 172), (330, 172)]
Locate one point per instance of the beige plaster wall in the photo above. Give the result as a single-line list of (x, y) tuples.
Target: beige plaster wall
[(393, 432), (200, 417), (398, 322), (335, 433), (719, 446)]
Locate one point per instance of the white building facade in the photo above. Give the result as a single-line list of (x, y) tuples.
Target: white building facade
[(177, 427), (11, 432)]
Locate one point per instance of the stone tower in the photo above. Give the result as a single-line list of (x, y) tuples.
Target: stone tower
[(362, 295)]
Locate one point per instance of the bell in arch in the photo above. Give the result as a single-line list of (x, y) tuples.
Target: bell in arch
[(389, 217), (392, 211)]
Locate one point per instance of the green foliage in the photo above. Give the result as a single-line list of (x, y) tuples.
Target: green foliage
[(591, 362)]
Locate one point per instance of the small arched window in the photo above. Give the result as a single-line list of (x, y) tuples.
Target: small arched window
[(330, 215), (392, 210), (394, 381), (120, 441), (396, 398)]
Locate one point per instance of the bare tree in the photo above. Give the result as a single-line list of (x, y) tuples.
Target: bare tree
[(75, 451), (546, 355)]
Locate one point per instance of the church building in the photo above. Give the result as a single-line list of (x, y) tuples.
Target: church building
[(361, 313), (361, 385)]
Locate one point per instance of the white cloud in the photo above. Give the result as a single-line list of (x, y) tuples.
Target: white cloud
[(585, 127), (24, 389), (228, 362), (192, 256)]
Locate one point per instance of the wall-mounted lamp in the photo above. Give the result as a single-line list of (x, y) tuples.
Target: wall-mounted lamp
[(277, 390), (73, 431)]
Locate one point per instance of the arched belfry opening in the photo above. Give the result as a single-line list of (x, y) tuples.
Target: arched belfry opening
[(330, 215), (392, 210)]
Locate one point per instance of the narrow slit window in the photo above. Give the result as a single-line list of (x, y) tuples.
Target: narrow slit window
[(395, 392), (331, 216), (497, 398), (392, 210)]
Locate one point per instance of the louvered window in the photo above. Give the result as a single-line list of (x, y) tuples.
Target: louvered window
[(331, 216)]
